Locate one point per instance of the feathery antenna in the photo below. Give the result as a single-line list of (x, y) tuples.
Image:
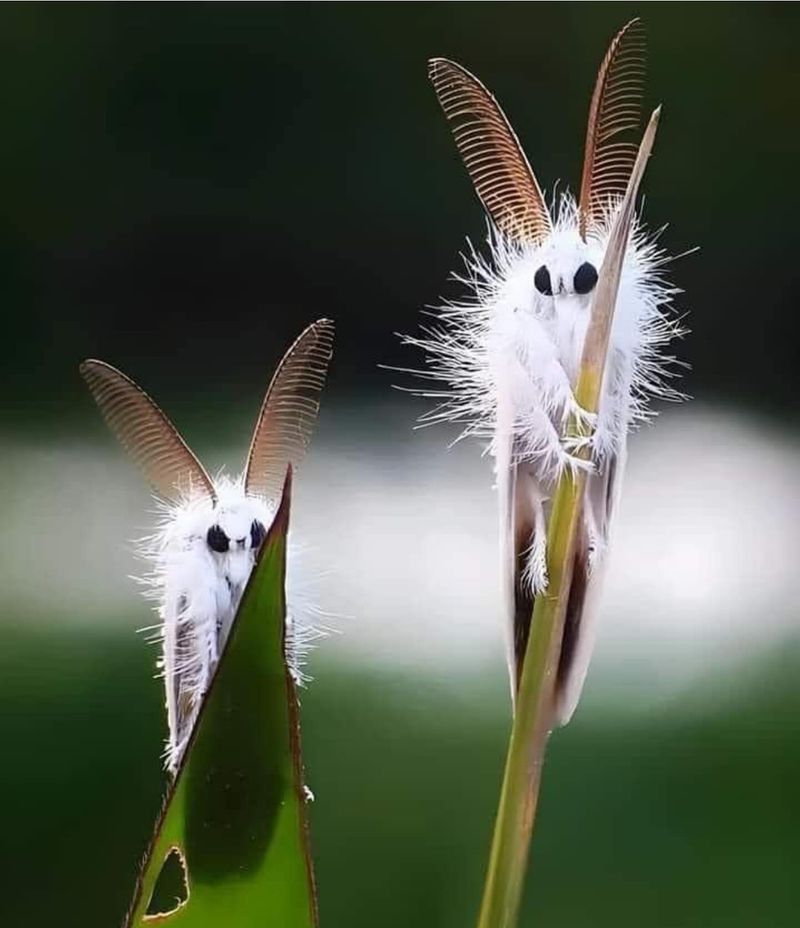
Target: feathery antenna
[(146, 433), (614, 119), (289, 411), (493, 156)]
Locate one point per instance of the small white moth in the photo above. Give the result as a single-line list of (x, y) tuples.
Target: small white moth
[(205, 546), (510, 353)]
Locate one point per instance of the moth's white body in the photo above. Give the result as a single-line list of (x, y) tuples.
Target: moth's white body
[(210, 531), (511, 355), (198, 592)]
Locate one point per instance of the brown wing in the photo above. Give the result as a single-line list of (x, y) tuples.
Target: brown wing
[(614, 118), (289, 412), (146, 433), (495, 160), (580, 619)]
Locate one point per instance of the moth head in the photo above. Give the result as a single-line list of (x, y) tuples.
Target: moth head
[(503, 177), (235, 528), (566, 267)]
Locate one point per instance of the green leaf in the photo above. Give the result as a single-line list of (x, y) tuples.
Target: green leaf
[(231, 846)]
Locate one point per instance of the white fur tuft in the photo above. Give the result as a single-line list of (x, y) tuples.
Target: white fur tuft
[(197, 592), (507, 357), (506, 342)]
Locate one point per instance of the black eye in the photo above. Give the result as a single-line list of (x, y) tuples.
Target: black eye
[(585, 278), (217, 539), (257, 534), (541, 280)]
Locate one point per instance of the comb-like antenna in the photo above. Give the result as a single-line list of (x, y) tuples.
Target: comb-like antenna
[(289, 411), (500, 172), (614, 117), (146, 433)]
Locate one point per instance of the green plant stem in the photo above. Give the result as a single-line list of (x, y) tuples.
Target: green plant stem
[(518, 799), (533, 720)]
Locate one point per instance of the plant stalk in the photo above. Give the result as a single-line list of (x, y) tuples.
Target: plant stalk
[(518, 799)]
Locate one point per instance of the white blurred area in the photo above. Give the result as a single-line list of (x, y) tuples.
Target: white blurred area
[(702, 571)]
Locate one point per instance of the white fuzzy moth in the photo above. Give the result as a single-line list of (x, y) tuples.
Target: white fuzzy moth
[(509, 354), (204, 549)]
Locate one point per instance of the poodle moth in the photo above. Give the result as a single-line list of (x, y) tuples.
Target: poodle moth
[(509, 353), (211, 529)]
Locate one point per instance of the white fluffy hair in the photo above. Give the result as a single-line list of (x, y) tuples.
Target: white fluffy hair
[(508, 356), (197, 592), (507, 340)]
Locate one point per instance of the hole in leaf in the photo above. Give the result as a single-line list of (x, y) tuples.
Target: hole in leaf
[(172, 886)]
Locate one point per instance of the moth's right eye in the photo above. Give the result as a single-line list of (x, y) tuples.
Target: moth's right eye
[(217, 539), (541, 280), (257, 534), (585, 278)]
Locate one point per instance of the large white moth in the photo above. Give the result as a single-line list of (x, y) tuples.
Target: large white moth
[(510, 352), (205, 546)]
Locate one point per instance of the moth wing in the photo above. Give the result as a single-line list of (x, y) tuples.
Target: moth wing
[(182, 700), (613, 125), (526, 530), (146, 433), (505, 478), (492, 154), (580, 623), (289, 411), (190, 617), (519, 494)]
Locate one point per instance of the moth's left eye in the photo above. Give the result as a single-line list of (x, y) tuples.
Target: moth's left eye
[(585, 278), (217, 540), (542, 282), (257, 534)]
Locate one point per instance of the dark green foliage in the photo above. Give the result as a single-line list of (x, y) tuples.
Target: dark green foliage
[(679, 820)]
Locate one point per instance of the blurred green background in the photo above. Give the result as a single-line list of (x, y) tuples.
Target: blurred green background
[(188, 185)]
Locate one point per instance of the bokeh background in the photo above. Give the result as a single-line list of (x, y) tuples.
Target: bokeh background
[(185, 187)]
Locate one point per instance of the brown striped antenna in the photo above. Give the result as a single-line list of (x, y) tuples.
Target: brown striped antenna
[(614, 120), (493, 156), (289, 411), (146, 434)]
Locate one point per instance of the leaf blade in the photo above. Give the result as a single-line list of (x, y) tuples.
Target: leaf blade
[(237, 811)]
